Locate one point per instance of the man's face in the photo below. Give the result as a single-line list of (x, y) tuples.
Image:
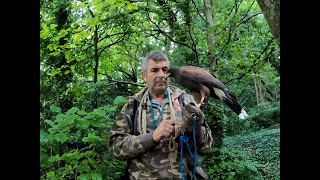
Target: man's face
[(155, 76)]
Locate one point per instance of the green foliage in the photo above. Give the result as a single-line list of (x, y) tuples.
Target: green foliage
[(264, 115), (75, 144), (226, 165), (252, 156), (113, 36), (263, 147)]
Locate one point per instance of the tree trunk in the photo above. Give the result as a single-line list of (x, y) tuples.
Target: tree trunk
[(95, 70), (210, 34), (217, 116), (271, 11), (63, 79), (256, 88)]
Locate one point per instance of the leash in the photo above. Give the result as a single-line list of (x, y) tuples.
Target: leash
[(184, 140)]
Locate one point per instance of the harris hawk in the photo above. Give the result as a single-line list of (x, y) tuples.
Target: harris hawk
[(202, 85)]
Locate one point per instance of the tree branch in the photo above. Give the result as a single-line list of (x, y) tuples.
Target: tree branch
[(194, 4), (116, 42), (124, 82), (254, 63)]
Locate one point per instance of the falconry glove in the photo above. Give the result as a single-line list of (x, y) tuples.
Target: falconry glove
[(189, 114)]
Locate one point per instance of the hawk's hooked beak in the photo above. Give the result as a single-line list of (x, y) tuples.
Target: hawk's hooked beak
[(167, 75)]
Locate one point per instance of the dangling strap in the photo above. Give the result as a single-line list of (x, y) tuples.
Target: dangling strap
[(184, 140)]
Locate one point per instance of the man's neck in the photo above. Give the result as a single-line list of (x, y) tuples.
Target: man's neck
[(159, 97)]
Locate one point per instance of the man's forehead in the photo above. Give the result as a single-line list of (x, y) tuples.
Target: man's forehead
[(159, 64)]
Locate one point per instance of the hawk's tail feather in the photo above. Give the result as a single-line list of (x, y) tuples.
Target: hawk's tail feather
[(233, 104)]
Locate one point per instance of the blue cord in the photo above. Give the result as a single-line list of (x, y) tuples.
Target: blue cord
[(184, 140), (195, 160)]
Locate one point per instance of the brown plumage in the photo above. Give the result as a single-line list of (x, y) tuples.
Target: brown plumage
[(203, 85)]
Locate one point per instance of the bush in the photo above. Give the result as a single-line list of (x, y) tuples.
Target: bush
[(74, 146), (265, 115), (262, 147), (229, 165), (252, 156)]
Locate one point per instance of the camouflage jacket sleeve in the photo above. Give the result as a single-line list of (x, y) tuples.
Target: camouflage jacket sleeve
[(124, 145), (203, 133)]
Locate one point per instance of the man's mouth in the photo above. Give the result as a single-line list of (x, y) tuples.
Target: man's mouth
[(160, 82)]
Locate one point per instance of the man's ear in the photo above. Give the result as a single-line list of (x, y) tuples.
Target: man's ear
[(144, 75)]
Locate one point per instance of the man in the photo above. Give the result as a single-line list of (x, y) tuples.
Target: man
[(153, 147)]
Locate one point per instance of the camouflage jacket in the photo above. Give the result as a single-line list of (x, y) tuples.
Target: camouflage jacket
[(150, 160)]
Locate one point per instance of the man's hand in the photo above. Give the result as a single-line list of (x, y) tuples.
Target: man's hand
[(165, 129)]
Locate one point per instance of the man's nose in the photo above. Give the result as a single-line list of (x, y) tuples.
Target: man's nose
[(161, 74)]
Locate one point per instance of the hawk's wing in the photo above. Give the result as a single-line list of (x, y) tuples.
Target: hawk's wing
[(200, 75)]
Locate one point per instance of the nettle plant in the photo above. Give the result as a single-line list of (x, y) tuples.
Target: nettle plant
[(73, 145)]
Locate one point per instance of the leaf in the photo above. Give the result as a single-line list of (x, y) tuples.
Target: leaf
[(81, 113), (50, 174), (43, 136), (100, 112), (72, 68), (118, 173), (91, 138), (53, 26), (60, 117), (55, 109), (55, 53), (72, 110), (62, 137), (52, 47), (49, 122), (44, 34), (132, 7), (120, 100), (112, 109), (96, 176), (67, 72), (83, 123), (54, 158), (70, 156), (84, 177), (81, 57)]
